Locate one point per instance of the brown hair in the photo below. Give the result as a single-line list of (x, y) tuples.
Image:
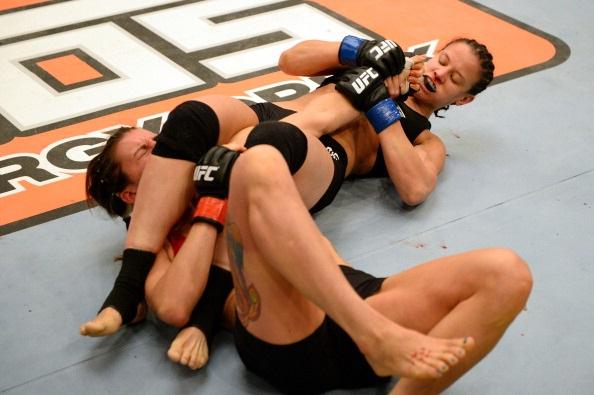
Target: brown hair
[(105, 177)]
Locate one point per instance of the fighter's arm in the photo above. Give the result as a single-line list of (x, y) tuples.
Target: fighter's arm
[(191, 345), (178, 290), (175, 284), (325, 113), (317, 57), (413, 169), (311, 58)]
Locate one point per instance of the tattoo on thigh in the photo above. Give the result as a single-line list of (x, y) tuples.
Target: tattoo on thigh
[(246, 296)]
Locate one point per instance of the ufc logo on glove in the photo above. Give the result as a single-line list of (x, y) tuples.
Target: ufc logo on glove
[(202, 172), (364, 79), (383, 48)]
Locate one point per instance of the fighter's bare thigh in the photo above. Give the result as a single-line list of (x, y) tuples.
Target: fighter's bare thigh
[(419, 297), (233, 115)]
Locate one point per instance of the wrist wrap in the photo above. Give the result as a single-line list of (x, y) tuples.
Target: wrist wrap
[(211, 210), (349, 48), (383, 114)]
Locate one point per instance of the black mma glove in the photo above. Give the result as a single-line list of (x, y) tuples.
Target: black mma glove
[(365, 89), (384, 56), (211, 180), (211, 177)]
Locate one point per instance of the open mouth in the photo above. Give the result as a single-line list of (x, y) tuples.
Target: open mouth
[(429, 84)]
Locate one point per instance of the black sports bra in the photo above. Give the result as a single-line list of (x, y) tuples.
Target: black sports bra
[(413, 124)]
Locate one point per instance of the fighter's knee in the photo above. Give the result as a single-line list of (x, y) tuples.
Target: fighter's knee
[(191, 129), (288, 139), (514, 275), (258, 164)]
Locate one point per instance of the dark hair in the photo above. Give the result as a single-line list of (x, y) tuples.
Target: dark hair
[(105, 177), (486, 63)]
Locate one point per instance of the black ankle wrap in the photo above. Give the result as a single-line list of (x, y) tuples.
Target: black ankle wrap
[(208, 312), (128, 289)]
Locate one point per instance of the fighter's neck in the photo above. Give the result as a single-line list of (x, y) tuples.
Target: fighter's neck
[(419, 107)]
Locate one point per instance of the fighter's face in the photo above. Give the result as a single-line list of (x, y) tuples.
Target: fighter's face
[(449, 75), (133, 151)]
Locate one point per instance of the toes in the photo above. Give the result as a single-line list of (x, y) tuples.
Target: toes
[(199, 356), (94, 329), (198, 361), (425, 370), (175, 351), (466, 342), (469, 342), (449, 359), (436, 367), (173, 354), (459, 347), (436, 363), (193, 362), (452, 360), (442, 367), (185, 357), (427, 365)]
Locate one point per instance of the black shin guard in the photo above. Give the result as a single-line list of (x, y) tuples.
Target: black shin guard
[(285, 137), (128, 289), (208, 312), (192, 128)]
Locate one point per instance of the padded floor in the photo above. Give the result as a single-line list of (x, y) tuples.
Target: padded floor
[(519, 174)]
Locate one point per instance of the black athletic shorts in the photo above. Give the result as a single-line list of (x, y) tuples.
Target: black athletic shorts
[(341, 161), (325, 360), (272, 112)]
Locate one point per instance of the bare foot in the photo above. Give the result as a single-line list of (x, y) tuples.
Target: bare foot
[(108, 322), (407, 353), (189, 348)]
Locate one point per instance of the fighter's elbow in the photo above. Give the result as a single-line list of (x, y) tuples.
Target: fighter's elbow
[(413, 199), (285, 61), (416, 193), (172, 315)]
